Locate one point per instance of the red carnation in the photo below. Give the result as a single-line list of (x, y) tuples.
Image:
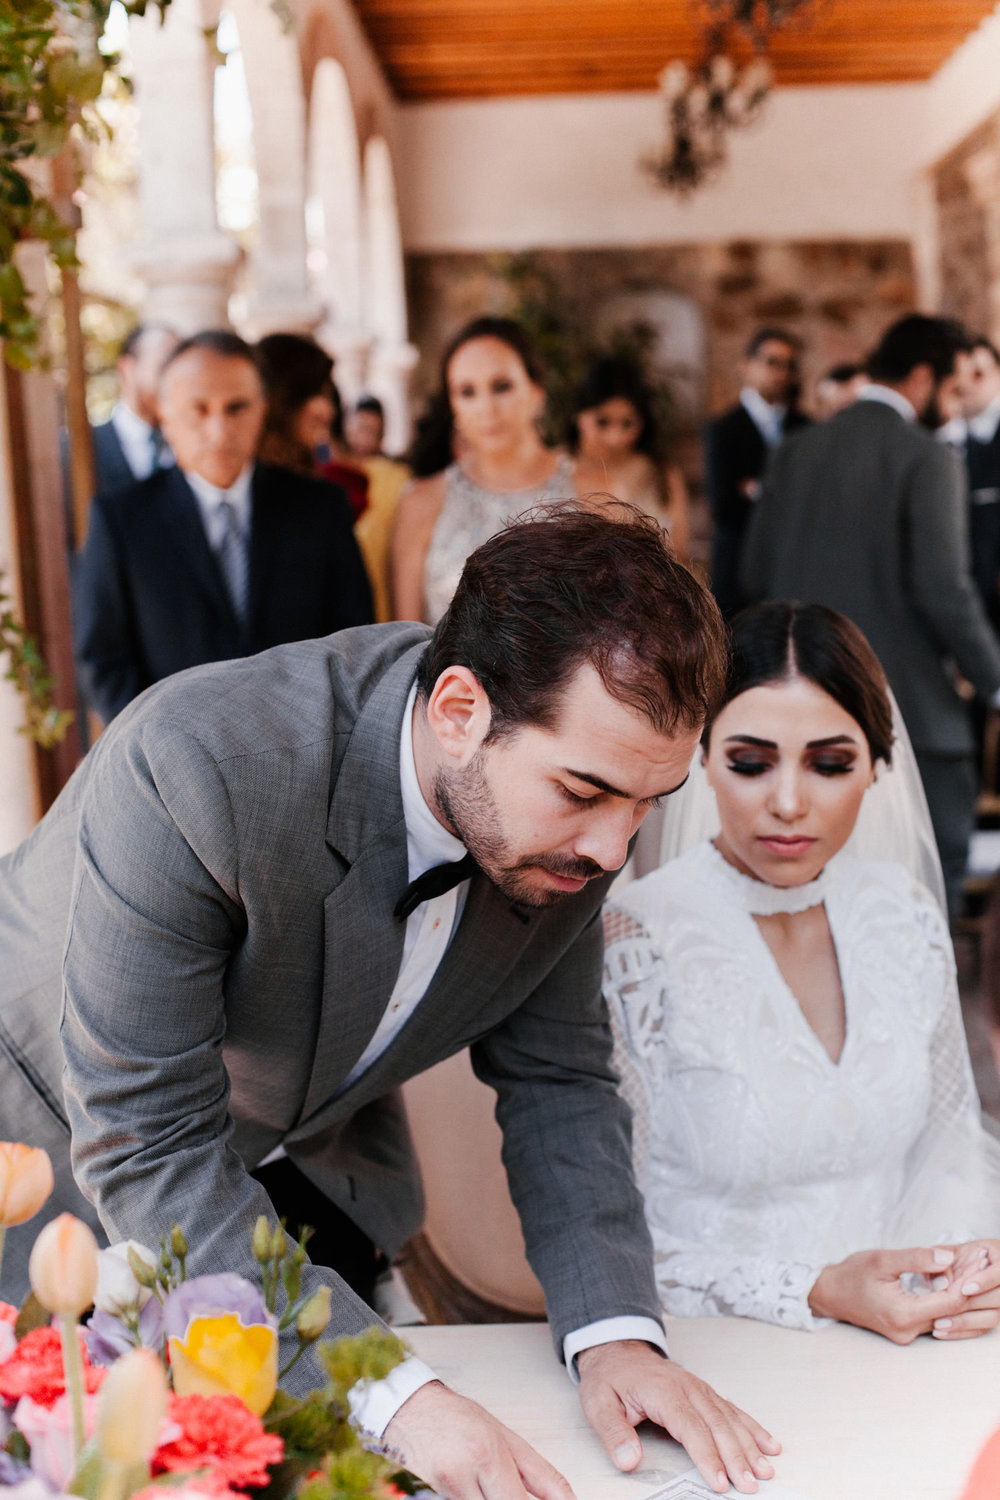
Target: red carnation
[(220, 1432), (8, 1313), (35, 1369)]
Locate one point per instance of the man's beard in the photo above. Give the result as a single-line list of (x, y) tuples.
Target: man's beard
[(466, 799)]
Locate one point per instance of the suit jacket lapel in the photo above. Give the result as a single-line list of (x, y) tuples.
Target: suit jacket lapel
[(367, 832)]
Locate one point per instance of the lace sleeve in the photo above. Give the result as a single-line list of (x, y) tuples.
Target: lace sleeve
[(693, 1280), (951, 1191)]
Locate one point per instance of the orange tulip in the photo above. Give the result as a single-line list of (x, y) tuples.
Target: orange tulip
[(131, 1408), (63, 1266), (25, 1182)]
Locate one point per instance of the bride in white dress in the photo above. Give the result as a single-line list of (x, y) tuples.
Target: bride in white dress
[(807, 1133)]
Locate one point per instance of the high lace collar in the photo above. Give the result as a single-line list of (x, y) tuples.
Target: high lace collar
[(763, 900)]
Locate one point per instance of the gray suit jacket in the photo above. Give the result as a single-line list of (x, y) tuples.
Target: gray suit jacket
[(866, 513), (214, 894)]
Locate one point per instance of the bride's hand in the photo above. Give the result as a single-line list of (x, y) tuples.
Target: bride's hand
[(865, 1289), (975, 1274)]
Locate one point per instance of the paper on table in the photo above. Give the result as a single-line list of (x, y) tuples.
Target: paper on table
[(691, 1486)]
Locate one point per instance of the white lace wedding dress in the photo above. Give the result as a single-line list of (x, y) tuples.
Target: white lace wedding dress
[(761, 1159)]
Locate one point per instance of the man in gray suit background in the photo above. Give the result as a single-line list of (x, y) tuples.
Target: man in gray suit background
[(866, 513), (279, 887)]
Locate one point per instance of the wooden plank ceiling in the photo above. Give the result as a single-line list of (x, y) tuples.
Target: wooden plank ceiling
[(463, 49)]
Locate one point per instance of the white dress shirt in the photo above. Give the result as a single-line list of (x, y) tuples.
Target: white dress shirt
[(429, 930), (768, 419), (210, 498), (136, 438), (889, 397)]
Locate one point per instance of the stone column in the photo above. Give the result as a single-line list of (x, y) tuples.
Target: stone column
[(187, 263), (392, 355), (281, 299)]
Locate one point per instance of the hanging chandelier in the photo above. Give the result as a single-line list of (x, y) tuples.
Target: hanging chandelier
[(704, 102)]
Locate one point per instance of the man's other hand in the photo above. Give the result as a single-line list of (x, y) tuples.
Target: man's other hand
[(456, 1447), (625, 1383)]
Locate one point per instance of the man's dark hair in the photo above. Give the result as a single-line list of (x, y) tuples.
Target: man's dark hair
[(135, 336), (778, 335), (567, 586), (214, 341), (980, 341), (773, 642), (917, 340), (372, 404)]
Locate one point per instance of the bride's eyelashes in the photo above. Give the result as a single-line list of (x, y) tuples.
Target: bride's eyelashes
[(822, 767)]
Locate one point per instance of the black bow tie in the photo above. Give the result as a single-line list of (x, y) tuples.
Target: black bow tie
[(431, 883)]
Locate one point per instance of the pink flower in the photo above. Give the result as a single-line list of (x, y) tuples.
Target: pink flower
[(220, 1432), (36, 1368), (49, 1431)]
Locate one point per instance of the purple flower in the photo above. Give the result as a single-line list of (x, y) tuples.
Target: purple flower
[(208, 1296), (12, 1472), (108, 1337)]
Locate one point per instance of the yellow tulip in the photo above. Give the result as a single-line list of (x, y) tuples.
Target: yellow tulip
[(218, 1355), (63, 1266), (131, 1408), (25, 1182)]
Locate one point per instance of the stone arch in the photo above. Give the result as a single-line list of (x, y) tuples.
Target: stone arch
[(335, 220), (391, 356)]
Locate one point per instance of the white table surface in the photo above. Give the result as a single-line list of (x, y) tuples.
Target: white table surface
[(859, 1418)]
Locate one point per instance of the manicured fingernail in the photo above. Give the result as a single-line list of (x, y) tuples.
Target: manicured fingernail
[(625, 1454), (940, 1284), (723, 1479), (943, 1257), (942, 1322), (970, 1289)]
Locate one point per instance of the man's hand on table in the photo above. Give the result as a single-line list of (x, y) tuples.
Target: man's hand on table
[(623, 1384), (455, 1445)]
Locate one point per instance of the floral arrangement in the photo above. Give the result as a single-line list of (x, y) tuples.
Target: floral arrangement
[(170, 1388)]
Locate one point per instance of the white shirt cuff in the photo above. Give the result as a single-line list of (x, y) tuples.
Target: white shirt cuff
[(375, 1403), (610, 1331)]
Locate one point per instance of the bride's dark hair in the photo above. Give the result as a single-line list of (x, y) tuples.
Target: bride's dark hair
[(773, 642)]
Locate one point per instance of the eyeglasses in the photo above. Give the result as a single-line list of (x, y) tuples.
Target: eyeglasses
[(775, 362)]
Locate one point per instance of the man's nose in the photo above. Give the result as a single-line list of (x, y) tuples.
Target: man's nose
[(606, 837)]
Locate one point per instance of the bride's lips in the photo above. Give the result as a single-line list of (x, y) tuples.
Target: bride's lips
[(787, 847)]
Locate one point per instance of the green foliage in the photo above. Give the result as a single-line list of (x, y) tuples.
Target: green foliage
[(369, 1356), (51, 73), (43, 721)]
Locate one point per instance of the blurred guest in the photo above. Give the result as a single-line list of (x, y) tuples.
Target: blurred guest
[(364, 428), (217, 557), (979, 397), (866, 513), (487, 410), (737, 445), (614, 438), (130, 445), (303, 424), (838, 388)]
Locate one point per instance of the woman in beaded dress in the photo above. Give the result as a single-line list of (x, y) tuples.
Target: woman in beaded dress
[(807, 1132), (479, 462)]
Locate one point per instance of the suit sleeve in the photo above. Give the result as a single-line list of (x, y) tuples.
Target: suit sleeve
[(154, 923), (350, 593), (104, 627), (936, 548), (723, 472), (567, 1147)]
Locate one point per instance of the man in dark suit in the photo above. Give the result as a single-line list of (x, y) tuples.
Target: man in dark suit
[(736, 446), (279, 887), (866, 513), (129, 445), (980, 401), (215, 557)]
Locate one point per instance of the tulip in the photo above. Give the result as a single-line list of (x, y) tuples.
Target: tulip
[(63, 1266), (118, 1290), (131, 1408), (25, 1183), (220, 1356), (63, 1274)]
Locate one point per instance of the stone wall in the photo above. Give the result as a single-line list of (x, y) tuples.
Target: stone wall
[(967, 194), (838, 296)]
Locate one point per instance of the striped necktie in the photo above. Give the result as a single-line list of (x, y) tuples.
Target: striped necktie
[(234, 561)]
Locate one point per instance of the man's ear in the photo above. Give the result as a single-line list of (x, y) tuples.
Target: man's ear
[(458, 713)]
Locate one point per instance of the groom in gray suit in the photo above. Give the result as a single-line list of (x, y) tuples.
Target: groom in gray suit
[(218, 955)]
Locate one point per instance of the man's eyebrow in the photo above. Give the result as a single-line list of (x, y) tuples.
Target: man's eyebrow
[(614, 791)]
